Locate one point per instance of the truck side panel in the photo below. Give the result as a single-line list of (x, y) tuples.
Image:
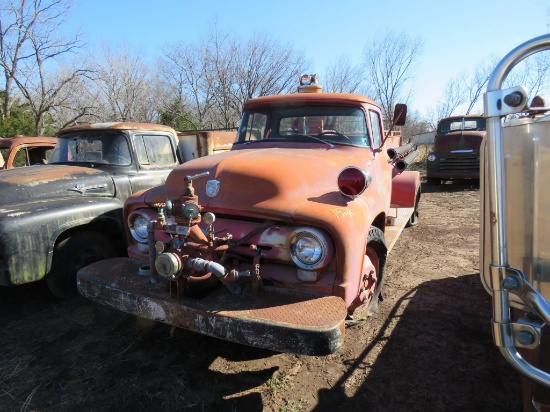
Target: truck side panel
[(527, 165), (196, 144)]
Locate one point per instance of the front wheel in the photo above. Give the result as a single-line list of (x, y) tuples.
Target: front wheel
[(72, 254), (372, 283)]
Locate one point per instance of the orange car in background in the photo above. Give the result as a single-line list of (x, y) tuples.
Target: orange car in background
[(25, 151)]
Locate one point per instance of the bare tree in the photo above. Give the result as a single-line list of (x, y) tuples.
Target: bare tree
[(184, 69), (126, 87), (44, 90), (265, 67), (453, 97), (389, 62), (77, 103), (463, 93), (343, 77), (214, 78), (533, 73), (29, 49), (220, 58), (415, 125), (477, 82)]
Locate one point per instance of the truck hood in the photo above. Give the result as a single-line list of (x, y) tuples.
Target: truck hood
[(271, 181), (44, 182), (461, 140)]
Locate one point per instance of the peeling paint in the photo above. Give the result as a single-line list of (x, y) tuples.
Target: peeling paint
[(156, 310)]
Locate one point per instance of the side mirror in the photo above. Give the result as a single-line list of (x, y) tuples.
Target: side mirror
[(399, 118), (400, 114)]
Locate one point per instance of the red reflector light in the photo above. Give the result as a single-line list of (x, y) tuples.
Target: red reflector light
[(353, 181)]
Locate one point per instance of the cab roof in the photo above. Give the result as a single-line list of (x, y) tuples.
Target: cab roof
[(118, 126), (19, 139), (462, 116), (309, 98)]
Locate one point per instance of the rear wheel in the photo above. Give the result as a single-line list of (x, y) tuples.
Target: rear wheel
[(72, 254), (373, 282)]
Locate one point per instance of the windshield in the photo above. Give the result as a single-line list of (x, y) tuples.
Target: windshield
[(3, 153), (92, 147), (338, 125), (451, 125)]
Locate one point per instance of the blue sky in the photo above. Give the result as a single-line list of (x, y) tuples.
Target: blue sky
[(457, 35)]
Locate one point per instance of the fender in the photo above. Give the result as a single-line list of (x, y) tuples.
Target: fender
[(341, 217), (405, 187), (31, 231)]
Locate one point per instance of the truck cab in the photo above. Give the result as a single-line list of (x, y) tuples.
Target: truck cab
[(22, 151), (456, 147), (278, 241), (57, 217)]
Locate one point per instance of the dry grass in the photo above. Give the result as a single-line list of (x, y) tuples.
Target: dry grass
[(419, 163)]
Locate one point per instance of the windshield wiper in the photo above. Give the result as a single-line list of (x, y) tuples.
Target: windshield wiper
[(335, 133), (311, 137), (271, 139)]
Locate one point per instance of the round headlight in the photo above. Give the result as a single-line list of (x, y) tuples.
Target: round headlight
[(309, 248), (431, 157), (138, 228), (209, 218)]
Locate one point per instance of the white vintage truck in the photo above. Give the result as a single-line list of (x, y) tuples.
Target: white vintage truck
[(515, 218)]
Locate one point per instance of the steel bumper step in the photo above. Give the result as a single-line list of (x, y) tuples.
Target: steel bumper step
[(277, 319)]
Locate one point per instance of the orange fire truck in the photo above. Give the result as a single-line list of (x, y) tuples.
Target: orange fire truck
[(278, 241)]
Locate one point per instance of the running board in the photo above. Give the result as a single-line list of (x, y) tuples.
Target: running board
[(395, 223)]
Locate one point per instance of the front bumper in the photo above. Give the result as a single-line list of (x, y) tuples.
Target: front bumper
[(277, 319), (453, 174)]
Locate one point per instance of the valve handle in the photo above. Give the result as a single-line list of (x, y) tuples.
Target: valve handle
[(193, 177)]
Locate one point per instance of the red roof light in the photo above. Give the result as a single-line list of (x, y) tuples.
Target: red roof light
[(353, 181)]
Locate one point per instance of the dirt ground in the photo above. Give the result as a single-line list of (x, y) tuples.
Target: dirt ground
[(428, 348)]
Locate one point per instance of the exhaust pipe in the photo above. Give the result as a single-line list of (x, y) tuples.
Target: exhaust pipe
[(404, 162), (395, 152)]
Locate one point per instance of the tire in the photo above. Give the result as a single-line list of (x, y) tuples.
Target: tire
[(413, 220), (377, 251), (72, 254)]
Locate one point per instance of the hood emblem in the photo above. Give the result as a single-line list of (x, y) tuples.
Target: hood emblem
[(81, 187), (212, 188)]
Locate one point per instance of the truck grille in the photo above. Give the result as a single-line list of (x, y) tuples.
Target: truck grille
[(467, 162)]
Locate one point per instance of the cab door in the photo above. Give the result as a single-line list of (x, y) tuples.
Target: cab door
[(156, 156)]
